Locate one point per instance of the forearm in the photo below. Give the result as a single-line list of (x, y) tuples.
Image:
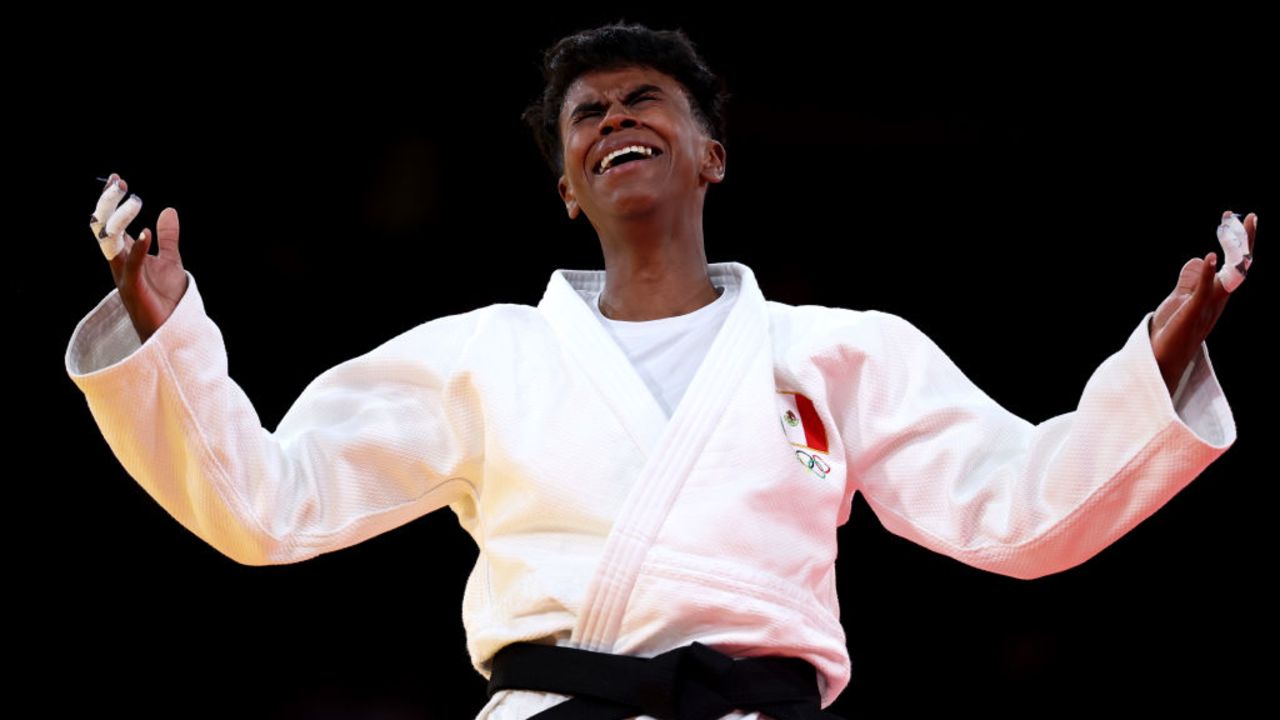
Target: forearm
[(367, 447), (179, 425), (945, 466)]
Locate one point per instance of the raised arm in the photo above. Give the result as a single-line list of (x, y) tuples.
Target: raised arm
[(369, 445), (944, 465), (1183, 321)]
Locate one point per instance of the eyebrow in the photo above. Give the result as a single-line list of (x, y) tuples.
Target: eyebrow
[(597, 105)]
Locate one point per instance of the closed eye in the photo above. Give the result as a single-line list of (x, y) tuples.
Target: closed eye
[(587, 113)]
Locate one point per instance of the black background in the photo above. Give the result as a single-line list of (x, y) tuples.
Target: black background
[(1023, 190)]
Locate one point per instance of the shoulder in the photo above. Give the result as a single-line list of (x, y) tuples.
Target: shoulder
[(453, 337), (817, 326)]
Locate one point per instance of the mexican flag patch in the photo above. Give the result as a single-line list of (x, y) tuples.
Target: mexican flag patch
[(800, 421)]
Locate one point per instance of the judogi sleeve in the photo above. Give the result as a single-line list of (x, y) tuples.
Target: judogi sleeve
[(370, 444), (942, 464)]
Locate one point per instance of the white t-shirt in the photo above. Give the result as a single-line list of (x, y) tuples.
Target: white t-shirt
[(667, 352)]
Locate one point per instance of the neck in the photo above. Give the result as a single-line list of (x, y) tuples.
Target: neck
[(654, 271)]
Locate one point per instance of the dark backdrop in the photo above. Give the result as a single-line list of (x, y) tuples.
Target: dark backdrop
[(1021, 190)]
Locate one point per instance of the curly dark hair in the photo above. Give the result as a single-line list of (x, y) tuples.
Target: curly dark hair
[(615, 46)]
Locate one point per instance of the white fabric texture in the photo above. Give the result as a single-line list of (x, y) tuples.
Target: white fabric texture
[(604, 524), (667, 352)]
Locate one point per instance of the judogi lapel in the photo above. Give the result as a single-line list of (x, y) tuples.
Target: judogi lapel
[(671, 446)]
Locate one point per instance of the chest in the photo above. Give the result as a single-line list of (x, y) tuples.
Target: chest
[(750, 454)]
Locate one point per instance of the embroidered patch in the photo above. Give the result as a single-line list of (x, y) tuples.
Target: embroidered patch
[(803, 429)]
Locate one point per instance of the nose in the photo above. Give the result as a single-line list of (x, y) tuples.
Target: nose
[(617, 121)]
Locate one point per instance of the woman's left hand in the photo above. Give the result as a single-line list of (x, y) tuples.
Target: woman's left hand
[(1184, 319)]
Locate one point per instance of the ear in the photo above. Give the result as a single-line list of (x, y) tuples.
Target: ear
[(566, 194), (713, 161)]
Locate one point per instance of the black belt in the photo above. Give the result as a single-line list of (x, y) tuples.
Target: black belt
[(692, 682)]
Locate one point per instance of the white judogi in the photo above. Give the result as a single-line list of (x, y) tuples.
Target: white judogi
[(604, 524)]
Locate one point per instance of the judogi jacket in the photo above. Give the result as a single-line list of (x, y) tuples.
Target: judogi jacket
[(605, 525)]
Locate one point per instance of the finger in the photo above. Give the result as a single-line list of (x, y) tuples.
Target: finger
[(1251, 225), (115, 189), (1218, 296), (112, 178), (1210, 289), (117, 262), (136, 253), (128, 243), (1233, 236), (167, 232), (1190, 277), (113, 233), (1194, 306), (106, 206)]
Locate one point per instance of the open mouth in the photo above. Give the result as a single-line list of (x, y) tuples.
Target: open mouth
[(625, 156)]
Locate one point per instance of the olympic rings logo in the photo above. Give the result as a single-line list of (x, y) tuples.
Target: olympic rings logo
[(814, 462)]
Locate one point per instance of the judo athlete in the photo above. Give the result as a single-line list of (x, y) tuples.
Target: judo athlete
[(692, 576)]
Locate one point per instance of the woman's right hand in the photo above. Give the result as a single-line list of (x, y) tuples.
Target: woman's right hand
[(150, 285)]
